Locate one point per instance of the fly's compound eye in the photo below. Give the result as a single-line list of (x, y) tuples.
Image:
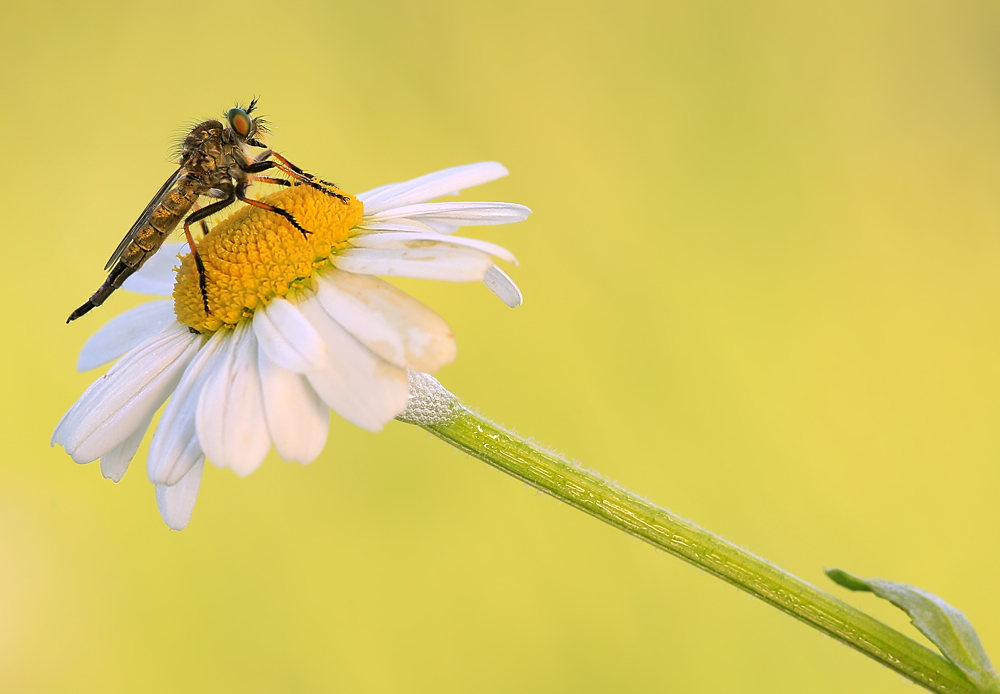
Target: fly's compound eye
[(240, 121)]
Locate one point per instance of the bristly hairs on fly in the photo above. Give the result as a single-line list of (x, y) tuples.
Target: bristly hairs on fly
[(180, 134)]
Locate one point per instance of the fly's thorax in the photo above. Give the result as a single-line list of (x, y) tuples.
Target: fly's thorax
[(201, 135), (204, 152), (255, 255), (233, 160)]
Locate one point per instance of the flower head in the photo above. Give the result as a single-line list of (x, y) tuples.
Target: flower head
[(296, 325)]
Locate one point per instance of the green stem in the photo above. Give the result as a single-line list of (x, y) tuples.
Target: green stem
[(439, 412)]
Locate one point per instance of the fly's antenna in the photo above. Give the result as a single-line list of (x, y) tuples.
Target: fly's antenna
[(249, 109), (260, 123)]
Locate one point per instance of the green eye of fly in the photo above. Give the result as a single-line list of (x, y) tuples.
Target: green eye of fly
[(240, 121)]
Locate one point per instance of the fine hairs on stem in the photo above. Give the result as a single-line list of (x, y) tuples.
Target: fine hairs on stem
[(435, 409)]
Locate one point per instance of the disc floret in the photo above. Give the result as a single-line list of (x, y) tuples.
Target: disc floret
[(255, 255)]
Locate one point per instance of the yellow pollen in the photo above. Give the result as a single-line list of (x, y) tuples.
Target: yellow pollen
[(255, 255)]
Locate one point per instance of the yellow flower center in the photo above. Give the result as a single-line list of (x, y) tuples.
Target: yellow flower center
[(255, 255)]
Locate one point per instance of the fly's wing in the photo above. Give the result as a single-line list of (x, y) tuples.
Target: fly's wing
[(144, 217)]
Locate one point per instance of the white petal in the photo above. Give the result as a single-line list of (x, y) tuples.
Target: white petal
[(59, 433), (369, 194), (121, 334), (457, 213), (230, 419), (401, 224), (440, 261), (357, 385), (403, 239), (503, 286), (296, 416), (388, 321), (431, 186), (287, 338), (120, 401), (156, 276), (176, 502), (175, 448), (115, 462), (443, 228), (377, 189)]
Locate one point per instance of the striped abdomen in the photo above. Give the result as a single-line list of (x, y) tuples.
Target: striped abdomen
[(162, 220), (147, 240)]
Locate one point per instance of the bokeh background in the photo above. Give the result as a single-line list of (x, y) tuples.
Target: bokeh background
[(762, 286)]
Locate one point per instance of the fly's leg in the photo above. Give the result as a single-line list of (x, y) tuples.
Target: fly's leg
[(275, 181), (204, 224), (316, 182), (295, 172), (241, 193), (199, 216), (202, 281), (300, 174)]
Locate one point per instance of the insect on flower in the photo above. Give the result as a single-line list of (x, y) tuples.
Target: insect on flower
[(276, 317), (215, 162)]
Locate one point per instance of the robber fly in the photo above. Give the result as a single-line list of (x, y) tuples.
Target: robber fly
[(214, 162)]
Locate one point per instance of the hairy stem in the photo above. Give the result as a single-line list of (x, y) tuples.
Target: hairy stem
[(435, 409)]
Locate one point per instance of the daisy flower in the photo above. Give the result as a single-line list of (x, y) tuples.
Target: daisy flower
[(297, 325)]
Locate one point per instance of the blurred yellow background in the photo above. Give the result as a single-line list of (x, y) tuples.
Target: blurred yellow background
[(761, 284)]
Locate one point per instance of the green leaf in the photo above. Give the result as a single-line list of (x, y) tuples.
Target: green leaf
[(948, 628)]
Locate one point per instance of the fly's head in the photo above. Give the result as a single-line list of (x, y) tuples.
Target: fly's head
[(245, 127)]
